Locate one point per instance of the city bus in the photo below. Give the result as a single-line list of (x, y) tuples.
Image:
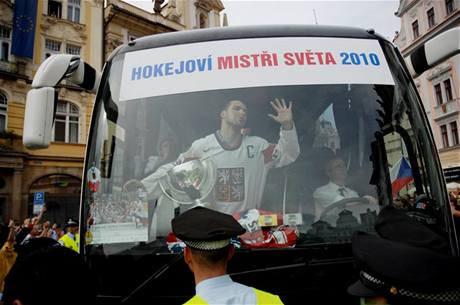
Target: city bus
[(307, 105)]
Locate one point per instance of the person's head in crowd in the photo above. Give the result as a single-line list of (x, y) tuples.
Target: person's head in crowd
[(454, 200), (206, 234), (26, 223), (71, 226), (167, 149), (36, 230), (405, 201), (406, 263), (58, 229), (336, 170), (28, 282)]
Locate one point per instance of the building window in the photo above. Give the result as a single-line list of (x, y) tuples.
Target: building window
[(415, 29), (448, 90), (54, 8), (444, 136), (449, 6), (73, 10), (430, 15), (3, 112), (438, 93), (5, 43), (67, 122), (72, 49), (52, 47), (454, 131)]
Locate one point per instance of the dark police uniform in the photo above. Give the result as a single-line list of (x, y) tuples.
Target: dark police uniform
[(407, 263)]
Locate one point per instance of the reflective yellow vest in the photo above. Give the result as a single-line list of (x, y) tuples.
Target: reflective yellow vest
[(263, 298), (68, 242)]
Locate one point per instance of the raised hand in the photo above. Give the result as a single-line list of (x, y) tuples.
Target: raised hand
[(283, 113)]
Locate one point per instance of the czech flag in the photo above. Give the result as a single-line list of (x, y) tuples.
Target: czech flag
[(400, 175)]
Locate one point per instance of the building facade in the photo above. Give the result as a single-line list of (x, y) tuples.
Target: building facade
[(61, 26), (125, 22), (91, 29), (438, 87)]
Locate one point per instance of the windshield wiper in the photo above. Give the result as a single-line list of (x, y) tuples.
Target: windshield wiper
[(153, 277)]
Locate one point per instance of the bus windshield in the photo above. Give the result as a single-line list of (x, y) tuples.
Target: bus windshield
[(303, 148)]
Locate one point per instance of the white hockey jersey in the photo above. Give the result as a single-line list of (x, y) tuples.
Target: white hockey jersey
[(241, 172)]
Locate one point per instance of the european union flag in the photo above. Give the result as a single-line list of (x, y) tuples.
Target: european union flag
[(25, 12)]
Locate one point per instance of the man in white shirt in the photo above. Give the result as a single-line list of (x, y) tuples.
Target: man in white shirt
[(242, 161), (335, 190), (206, 234)]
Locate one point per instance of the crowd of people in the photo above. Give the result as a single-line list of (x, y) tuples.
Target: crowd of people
[(18, 241), (34, 228), (119, 209)]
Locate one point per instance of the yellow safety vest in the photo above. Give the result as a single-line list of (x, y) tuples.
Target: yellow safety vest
[(68, 242), (263, 298)]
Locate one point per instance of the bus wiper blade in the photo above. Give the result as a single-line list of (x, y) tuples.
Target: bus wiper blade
[(270, 269), (153, 277)]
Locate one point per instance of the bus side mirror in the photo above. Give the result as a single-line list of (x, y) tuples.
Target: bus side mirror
[(42, 98), (434, 51), (39, 117)]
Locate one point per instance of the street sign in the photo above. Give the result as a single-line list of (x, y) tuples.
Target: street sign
[(39, 201), (39, 197)]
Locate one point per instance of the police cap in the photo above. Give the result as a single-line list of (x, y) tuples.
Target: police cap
[(71, 223), (205, 229), (405, 262), (395, 224)]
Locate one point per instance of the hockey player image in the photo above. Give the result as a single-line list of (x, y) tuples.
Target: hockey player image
[(242, 161)]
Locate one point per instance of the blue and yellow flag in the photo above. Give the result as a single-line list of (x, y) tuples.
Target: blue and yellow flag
[(25, 12)]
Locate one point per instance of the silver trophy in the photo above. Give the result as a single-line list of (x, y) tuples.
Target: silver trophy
[(189, 182)]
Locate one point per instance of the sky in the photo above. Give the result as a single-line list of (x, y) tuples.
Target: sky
[(378, 15)]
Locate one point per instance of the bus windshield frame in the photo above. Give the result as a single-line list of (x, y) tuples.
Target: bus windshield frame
[(389, 129), (349, 91)]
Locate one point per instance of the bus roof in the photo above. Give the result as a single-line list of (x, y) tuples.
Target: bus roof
[(241, 32)]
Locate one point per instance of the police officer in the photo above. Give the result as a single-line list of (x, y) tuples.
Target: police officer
[(71, 238), (405, 263), (206, 234)]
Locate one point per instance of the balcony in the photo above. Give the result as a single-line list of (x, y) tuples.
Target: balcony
[(7, 66), (446, 109)]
